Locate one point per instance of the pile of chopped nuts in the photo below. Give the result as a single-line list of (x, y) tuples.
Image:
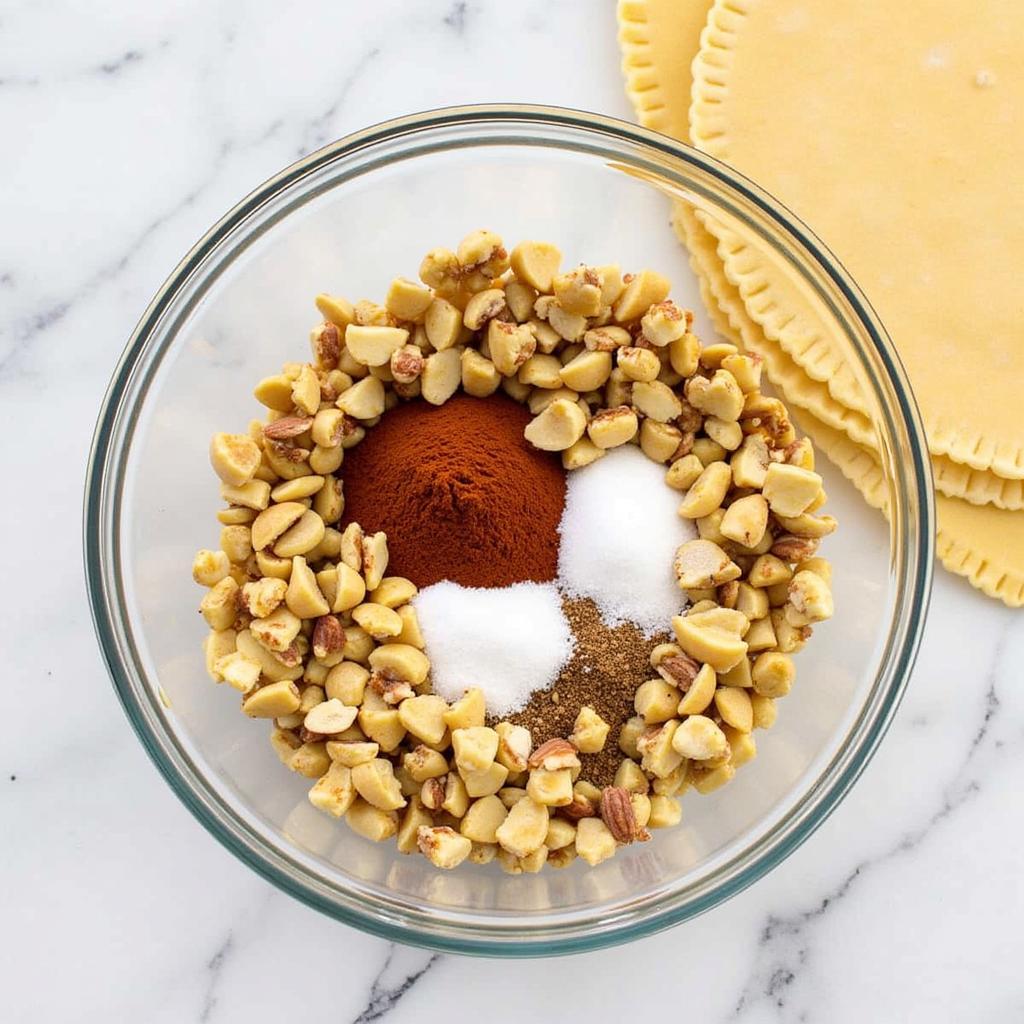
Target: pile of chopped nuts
[(305, 624)]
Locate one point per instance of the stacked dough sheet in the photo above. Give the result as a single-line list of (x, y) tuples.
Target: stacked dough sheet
[(896, 133)]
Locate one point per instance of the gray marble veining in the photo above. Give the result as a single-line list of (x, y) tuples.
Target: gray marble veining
[(131, 128)]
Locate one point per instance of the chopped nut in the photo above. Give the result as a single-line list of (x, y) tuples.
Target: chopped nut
[(303, 536), (277, 630), (375, 782), (728, 434), (807, 525), (234, 457), (329, 718), (238, 671), (407, 300), (272, 700), (707, 492), (665, 322), (794, 549), (302, 593), (590, 731), (325, 340), (406, 364), (656, 401), (514, 744), (536, 264), (363, 400), (475, 748), (468, 711), (613, 427), (274, 523), (422, 763), (554, 754), (404, 661), (375, 559), (391, 689), (443, 846), (772, 674), (520, 298), (656, 701), (638, 364), (644, 290), (684, 355), (679, 670), (524, 829), (699, 739), (607, 339), (482, 253), (210, 567), (712, 636), (442, 375), (618, 815), (334, 791), (483, 306), (568, 326), (553, 788), (702, 563), (733, 704), (442, 324), (764, 711), (746, 520), (720, 396), (510, 345), (480, 376), (580, 454), (423, 717), (810, 599), (579, 291), (352, 752), (254, 495), (306, 390), (379, 621), (750, 462), (557, 428), (587, 371), (329, 639), (561, 834), (790, 489), (629, 775), (594, 841)]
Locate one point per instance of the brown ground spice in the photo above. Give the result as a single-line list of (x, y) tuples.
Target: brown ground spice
[(609, 663), (461, 494)]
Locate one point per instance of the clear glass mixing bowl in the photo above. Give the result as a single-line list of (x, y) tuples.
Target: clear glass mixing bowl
[(347, 219)]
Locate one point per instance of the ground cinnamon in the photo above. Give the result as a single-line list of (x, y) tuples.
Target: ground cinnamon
[(460, 493)]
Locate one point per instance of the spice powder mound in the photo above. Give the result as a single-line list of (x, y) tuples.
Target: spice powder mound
[(607, 666), (461, 494)]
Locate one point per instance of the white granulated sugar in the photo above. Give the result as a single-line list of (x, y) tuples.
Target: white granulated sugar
[(509, 641), (620, 531)]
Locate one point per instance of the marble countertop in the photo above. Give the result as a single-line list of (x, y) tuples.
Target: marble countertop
[(131, 128)]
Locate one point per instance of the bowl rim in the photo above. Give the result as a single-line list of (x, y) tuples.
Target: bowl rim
[(534, 940)]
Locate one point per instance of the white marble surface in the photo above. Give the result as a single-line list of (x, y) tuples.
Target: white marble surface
[(130, 128)]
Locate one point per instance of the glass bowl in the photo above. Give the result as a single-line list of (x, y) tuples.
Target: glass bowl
[(347, 219)]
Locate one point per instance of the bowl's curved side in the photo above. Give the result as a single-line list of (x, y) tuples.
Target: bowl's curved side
[(673, 168)]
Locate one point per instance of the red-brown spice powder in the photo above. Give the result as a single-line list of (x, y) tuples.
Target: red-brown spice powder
[(459, 491)]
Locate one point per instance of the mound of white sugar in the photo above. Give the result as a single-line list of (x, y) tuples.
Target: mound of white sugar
[(509, 641), (620, 532)]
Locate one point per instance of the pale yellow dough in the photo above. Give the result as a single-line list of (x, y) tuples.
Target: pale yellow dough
[(982, 543), (896, 130), (659, 39)]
